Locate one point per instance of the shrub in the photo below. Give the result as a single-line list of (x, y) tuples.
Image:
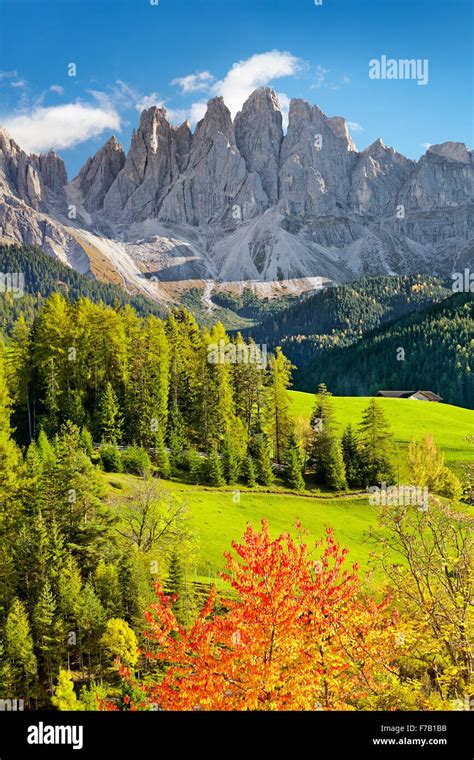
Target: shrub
[(136, 461), (110, 458)]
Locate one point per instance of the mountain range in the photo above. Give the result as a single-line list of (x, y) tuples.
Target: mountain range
[(242, 204)]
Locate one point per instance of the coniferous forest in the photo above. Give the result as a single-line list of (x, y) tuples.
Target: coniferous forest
[(104, 411)]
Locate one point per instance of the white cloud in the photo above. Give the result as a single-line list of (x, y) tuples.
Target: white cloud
[(197, 111), (354, 126), (194, 82), (21, 83), (245, 76), (60, 126), (346, 79), (8, 74), (147, 101), (426, 145), (57, 89)]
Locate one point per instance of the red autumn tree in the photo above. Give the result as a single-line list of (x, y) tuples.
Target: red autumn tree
[(295, 635)]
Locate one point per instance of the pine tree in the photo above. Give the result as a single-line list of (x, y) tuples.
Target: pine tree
[(108, 419), (294, 465), (325, 454), (19, 650), (376, 446), (249, 472), (280, 422), (214, 472), (351, 457)]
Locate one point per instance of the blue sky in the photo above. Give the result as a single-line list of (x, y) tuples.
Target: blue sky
[(130, 54)]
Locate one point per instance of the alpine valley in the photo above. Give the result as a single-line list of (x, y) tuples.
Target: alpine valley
[(240, 205)]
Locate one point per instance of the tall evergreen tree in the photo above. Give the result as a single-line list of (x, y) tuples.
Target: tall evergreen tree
[(214, 469), (351, 457), (294, 465), (19, 651), (108, 419), (376, 446), (325, 455), (280, 422)]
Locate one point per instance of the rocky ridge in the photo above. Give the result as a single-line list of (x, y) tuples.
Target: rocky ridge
[(240, 203)]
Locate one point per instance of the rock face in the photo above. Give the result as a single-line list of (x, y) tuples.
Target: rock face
[(216, 186), (443, 178), (378, 176), (37, 180), (259, 135), (317, 157), (150, 168), (96, 177), (238, 202)]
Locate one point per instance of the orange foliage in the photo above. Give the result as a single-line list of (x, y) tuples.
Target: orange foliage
[(297, 636)]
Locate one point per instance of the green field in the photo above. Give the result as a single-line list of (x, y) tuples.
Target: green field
[(218, 517), (452, 427)]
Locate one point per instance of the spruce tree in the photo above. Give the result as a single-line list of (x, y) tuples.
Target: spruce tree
[(19, 651), (293, 471), (177, 585), (108, 420), (214, 470), (160, 456), (263, 462), (351, 457), (376, 446), (231, 462), (46, 633), (277, 403), (194, 465), (325, 455), (249, 472)]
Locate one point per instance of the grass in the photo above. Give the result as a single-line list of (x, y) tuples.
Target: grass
[(451, 426), (218, 516)]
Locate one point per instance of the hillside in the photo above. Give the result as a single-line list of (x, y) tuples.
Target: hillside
[(438, 356), (338, 316), (44, 275), (452, 426)]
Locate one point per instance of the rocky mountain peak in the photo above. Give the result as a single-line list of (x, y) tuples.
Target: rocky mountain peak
[(316, 160), (259, 135), (216, 119), (451, 151), (238, 200), (97, 175)]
